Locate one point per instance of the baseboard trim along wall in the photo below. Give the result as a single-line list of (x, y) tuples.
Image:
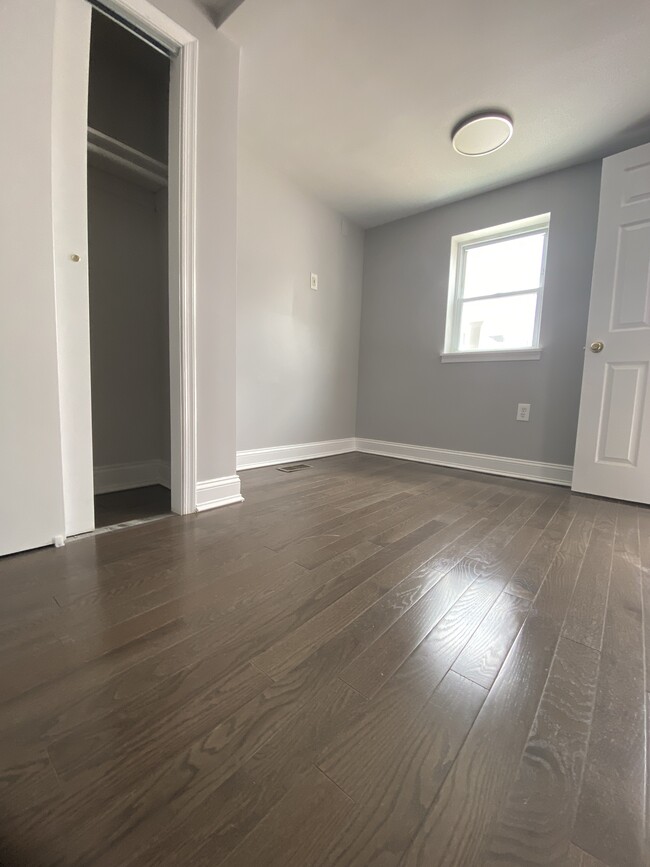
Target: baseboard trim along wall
[(218, 492), (535, 471), (248, 460), (123, 477)]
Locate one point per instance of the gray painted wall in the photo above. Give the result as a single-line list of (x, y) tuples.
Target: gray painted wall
[(407, 395), (128, 321), (297, 350)]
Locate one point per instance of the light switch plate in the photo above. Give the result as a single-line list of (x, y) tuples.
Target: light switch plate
[(314, 282)]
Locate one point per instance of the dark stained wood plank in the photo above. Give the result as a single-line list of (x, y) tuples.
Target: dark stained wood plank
[(578, 858), (453, 831), (29, 778), (464, 533), (173, 748), (585, 619), (296, 830), (546, 512), (610, 822), (450, 545), (376, 743), (301, 642), (246, 797), (485, 579), (394, 775), (447, 505), (188, 704), (484, 654), (203, 791), (221, 646), (536, 821), (529, 576)]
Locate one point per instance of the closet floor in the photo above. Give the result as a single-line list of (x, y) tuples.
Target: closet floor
[(138, 503)]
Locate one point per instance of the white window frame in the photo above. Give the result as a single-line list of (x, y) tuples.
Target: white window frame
[(460, 244)]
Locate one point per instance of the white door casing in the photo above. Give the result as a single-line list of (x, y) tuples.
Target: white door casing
[(613, 443)]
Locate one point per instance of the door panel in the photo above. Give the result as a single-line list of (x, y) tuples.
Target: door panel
[(636, 183), (630, 303), (613, 444), (620, 419)]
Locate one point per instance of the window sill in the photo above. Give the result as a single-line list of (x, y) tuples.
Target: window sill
[(493, 355)]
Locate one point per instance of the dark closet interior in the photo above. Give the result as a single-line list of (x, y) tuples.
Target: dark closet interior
[(128, 103)]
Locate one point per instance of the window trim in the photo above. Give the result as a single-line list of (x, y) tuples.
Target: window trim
[(481, 237)]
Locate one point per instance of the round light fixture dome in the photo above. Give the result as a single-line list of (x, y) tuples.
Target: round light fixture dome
[(481, 134)]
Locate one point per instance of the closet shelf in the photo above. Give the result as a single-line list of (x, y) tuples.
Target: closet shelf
[(113, 156)]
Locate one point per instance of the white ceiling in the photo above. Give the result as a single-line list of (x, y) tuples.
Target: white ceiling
[(356, 99)]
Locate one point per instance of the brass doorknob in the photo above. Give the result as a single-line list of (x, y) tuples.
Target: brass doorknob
[(75, 257), (597, 346)]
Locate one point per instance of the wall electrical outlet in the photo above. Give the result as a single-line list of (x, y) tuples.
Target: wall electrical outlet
[(313, 282), (523, 412)]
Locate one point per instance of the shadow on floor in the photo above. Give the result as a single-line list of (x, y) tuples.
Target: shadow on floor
[(138, 503)]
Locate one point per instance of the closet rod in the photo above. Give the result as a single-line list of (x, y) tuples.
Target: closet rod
[(112, 155), (132, 28)]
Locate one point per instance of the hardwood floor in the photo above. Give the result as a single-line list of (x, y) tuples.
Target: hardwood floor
[(369, 662), (136, 504)]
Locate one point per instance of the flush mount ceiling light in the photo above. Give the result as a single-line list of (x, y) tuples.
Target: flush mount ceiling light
[(482, 133)]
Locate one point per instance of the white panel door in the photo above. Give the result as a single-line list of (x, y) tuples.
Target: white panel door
[(613, 445)]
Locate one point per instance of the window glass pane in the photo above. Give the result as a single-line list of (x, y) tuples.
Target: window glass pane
[(511, 265), (498, 323)]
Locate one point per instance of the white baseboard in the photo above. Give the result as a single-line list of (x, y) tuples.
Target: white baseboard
[(536, 471), (123, 477), (247, 460), (218, 492)]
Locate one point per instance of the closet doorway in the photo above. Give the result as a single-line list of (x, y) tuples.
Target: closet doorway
[(89, 139), (128, 263)]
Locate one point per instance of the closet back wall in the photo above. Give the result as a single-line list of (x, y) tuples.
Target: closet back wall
[(128, 264), (128, 322)]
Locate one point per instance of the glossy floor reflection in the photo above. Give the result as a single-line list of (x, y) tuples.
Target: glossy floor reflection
[(368, 662)]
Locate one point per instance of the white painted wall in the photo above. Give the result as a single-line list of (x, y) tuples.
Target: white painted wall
[(31, 481), (69, 219), (297, 350)]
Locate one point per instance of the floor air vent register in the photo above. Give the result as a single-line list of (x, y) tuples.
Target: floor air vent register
[(293, 468)]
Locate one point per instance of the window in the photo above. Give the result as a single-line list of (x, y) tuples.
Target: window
[(496, 283)]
